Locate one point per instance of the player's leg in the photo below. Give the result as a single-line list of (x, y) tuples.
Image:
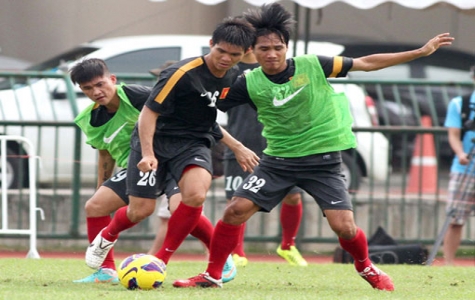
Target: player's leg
[(224, 240), (233, 177), (290, 218), (460, 199), (337, 207), (107, 199), (163, 215), (147, 186), (452, 240), (202, 231), (265, 194), (194, 184)]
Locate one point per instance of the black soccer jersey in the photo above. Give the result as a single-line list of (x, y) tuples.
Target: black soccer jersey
[(185, 97), (243, 124)]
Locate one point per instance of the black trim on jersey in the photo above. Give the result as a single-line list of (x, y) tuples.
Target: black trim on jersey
[(239, 95), (137, 95)]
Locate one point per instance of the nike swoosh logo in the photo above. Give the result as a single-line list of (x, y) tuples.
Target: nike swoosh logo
[(134, 269), (335, 202), (109, 139), (104, 244), (199, 159), (281, 102)]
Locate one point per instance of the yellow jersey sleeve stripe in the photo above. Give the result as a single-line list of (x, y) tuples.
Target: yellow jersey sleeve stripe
[(337, 66), (176, 77)]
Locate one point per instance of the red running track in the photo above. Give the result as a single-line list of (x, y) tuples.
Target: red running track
[(312, 259)]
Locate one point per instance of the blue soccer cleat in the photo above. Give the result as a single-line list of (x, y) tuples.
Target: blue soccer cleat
[(229, 270), (101, 276)]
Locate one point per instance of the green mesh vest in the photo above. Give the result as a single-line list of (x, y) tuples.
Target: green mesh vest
[(113, 136), (303, 116)]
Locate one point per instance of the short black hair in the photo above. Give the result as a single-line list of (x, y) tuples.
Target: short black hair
[(88, 69), (235, 31), (271, 18)]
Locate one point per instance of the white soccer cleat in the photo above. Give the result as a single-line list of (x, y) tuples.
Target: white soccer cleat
[(97, 251)]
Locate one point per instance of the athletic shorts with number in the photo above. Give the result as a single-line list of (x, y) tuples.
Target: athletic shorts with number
[(319, 175), (173, 157), (461, 197), (171, 189), (234, 176), (117, 183)]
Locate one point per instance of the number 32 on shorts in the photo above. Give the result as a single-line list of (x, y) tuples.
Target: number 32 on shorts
[(254, 184)]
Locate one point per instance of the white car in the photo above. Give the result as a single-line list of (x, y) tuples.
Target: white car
[(47, 100)]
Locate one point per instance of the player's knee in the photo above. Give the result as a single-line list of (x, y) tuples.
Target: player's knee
[(93, 208), (138, 213), (346, 231), (238, 211), (292, 199), (194, 199)]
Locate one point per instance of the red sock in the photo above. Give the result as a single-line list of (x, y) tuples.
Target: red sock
[(224, 240), (119, 223), (239, 250), (94, 226), (358, 249), (290, 217), (181, 223), (203, 230)]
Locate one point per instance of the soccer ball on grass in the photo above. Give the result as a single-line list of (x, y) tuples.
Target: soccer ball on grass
[(142, 271)]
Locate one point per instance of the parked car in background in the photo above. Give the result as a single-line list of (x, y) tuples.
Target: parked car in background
[(8, 63), (46, 100), (405, 104)]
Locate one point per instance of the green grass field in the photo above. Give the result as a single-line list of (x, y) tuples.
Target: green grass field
[(48, 278)]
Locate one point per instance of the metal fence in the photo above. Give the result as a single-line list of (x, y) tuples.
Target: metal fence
[(41, 106)]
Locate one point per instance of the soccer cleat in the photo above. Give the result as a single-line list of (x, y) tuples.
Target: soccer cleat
[(202, 280), (229, 270), (103, 275), (292, 256), (377, 278), (97, 251), (240, 261)]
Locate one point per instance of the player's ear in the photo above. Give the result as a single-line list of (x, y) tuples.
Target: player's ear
[(113, 78), (211, 43)]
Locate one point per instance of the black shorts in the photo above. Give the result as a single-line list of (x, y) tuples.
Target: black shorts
[(117, 183), (319, 175), (152, 184), (234, 175)]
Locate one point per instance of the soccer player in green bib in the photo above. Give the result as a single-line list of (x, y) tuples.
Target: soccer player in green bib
[(306, 125)]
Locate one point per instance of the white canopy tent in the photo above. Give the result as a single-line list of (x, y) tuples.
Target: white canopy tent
[(361, 4), (383, 20)]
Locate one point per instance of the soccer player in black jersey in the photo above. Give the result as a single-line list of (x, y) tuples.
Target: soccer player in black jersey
[(306, 125), (175, 131)]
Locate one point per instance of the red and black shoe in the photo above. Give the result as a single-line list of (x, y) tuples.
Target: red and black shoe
[(202, 280), (377, 278)]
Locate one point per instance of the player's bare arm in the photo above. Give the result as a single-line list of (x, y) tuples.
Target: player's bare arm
[(456, 144), (246, 158), (383, 60), (105, 167), (146, 126)]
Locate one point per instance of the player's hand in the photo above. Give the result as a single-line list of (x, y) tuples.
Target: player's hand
[(246, 158), (147, 164), (464, 159), (443, 39)]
